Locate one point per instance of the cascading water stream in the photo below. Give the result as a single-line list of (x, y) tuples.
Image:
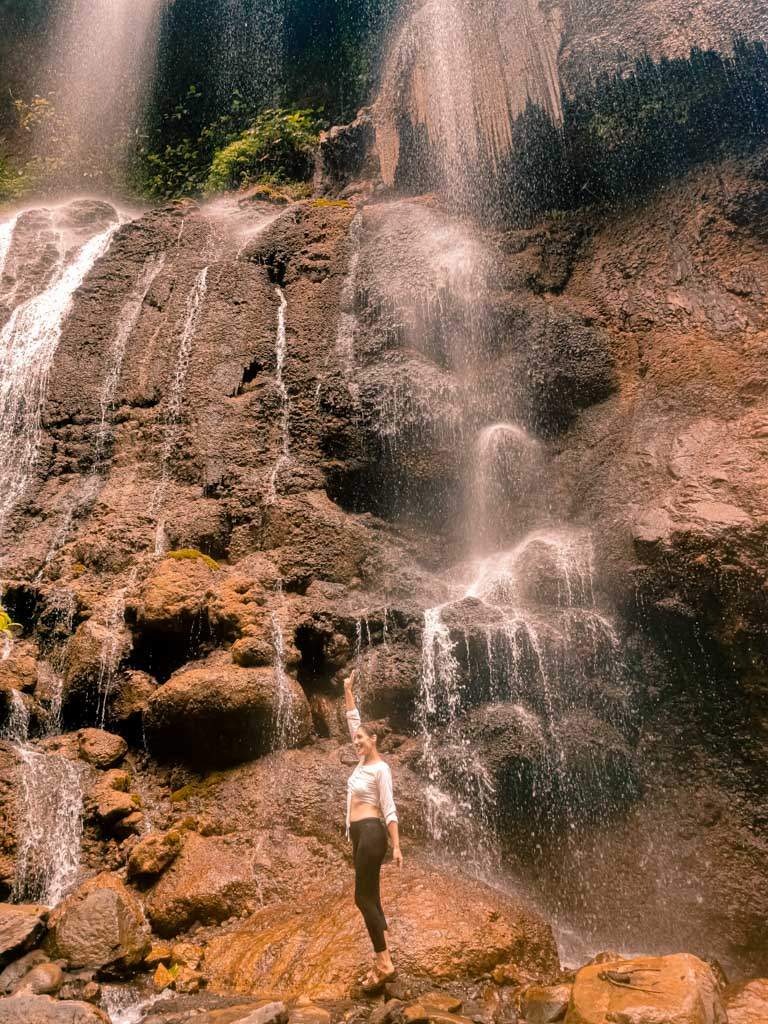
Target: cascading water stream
[(6, 238), (28, 344), (100, 63), (175, 403), (50, 809), (285, 402), (128, 319)]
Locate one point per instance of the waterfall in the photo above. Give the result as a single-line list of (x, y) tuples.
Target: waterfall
[(506, 464), (345, 332), (460, 76), (128, 319), (125, 1004), (284, 724), (459, 798), (111, 648), (285, 406), (101, 60), (16, 728), (6, 238), (174, 408), (51, 826), (28, 344)]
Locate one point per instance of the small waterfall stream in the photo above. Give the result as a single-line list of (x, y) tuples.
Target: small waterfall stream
[(175, 401), (51, 815), (285, 402), (6, 238), (28, 343), (128, 319)]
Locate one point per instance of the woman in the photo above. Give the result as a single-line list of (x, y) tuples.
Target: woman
[(371, 813)]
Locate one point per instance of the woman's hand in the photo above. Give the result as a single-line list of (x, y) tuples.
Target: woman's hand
[(349, 696), (397, 856)]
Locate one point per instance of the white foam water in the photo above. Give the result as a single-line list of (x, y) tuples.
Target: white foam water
[(285, 403), (28, 344)]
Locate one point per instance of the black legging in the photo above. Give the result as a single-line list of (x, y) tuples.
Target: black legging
[(369, 848)]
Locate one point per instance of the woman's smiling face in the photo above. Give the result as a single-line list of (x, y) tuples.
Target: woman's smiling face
[(363, 743)]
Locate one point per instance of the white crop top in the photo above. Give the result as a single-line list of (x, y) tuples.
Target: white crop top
[(370, 783)]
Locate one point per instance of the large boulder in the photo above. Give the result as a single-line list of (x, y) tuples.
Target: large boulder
[(748, 1003), (28, 1009), (101, 749), (153, 853), (446, 928), (101, 926), (389, 683), (216, 877), (678, 989), (21, 925), (174, 597), (211, 879), (220, 714), (94, 649)]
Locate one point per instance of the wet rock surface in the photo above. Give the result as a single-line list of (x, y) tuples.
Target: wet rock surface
[(206, 604), (100, 926), (45, 1010), (447, 929), (677, 988), (21, 926)]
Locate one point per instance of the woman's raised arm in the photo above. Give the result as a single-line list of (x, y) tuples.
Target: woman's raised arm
[(353, 715)]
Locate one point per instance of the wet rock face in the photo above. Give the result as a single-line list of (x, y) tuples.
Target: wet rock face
[(443, 940), (28, 1009), (221, 714), (21, 927), (748, 1003), (686, 992), (634, 384), (597, 31), (101, 926)]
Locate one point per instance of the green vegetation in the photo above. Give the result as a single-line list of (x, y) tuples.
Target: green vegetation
[(273, 147), (183, 553), (8, 627), (278, 147)]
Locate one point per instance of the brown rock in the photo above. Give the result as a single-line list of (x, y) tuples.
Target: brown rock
[(221, 714), (163, 978), (128, 699), (210, 880), (309, 1015), (44, 1010), (159, 953), (20, 669), (174, 595), (186, 980), (261, 1011), (545, 1004), (21, 926), (152, 855), (186, 954), (100, 926), (441, 1001), (45, 979), (415, 1013), (101, 749), (446, 928), (110, 798), (84, 666), (679, 989), (15, 971), (748, 1003), (386, 1013)]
